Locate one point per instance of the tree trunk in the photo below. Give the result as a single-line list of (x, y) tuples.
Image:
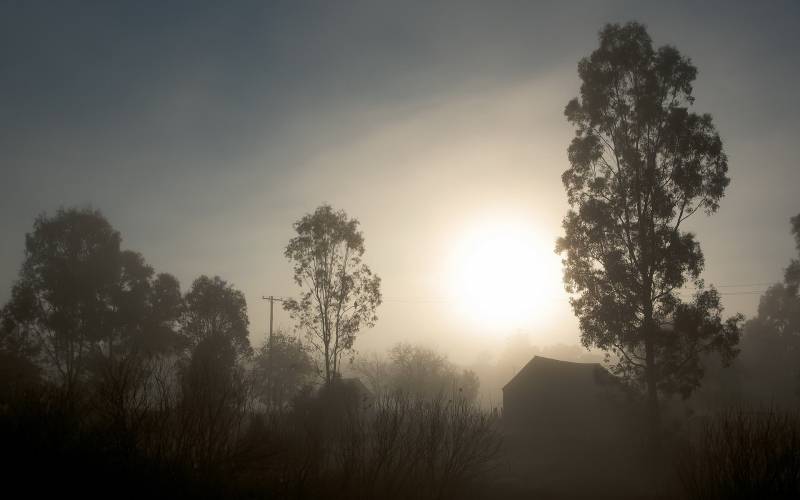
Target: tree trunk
[(651, 377), (652, 389), (335, 361), (327, 365)]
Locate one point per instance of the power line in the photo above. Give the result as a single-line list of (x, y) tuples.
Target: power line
[(451, 301), (750, 292), (439, 300), (419, 301), (743, 285)]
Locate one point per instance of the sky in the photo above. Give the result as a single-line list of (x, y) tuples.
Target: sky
[(203, 130)]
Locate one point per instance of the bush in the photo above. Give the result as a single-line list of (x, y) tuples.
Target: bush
[(740, 454), (139, 438), (395, 446), (403, 447)]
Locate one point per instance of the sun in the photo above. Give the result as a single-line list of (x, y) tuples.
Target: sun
[(504, 275)]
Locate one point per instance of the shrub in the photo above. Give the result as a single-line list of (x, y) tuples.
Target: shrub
[(740, 454)]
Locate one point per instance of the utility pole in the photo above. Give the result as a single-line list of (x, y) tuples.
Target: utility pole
[(270, 388), (271, 300)]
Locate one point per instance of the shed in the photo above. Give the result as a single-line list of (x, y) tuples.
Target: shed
[(553, 394)]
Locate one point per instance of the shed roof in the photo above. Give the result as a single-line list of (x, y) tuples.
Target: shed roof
[(540, 366)]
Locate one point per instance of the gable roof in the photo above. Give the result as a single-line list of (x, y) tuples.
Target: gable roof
[(540, 366), (357, 385)]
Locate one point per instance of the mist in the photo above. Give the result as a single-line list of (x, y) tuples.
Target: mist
[(168, 168)]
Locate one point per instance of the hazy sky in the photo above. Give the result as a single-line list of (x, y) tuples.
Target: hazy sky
[(203, 130)]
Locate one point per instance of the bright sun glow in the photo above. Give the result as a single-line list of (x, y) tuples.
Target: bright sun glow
[(504, 276)]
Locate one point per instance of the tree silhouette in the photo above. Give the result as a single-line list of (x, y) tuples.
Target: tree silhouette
[(640, 165), (214, 392), (771, 343), (422, 372), (19, 372), (71, 267), (282, 368), (340, 293), (146, 310), (84, 309), (791, 276), (80, 299), (216, 309)]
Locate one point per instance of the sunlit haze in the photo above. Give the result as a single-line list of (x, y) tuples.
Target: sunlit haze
[(503, 276), (307, 249), (204, 136)]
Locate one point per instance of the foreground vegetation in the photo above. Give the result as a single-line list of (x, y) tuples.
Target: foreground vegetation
[(743, 454), (332, 444)]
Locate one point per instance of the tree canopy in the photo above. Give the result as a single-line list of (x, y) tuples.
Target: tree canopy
[(79, 296), (282, 368), (771, 342), (641, 164), (339, 292), (214, 308)]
